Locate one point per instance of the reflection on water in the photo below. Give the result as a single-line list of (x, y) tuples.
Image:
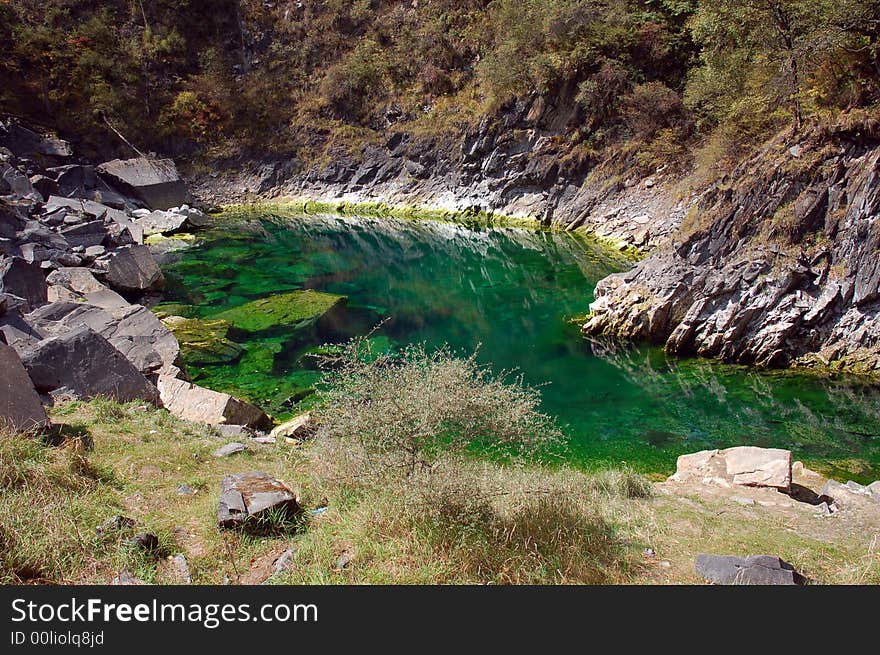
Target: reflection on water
[(508, 292)]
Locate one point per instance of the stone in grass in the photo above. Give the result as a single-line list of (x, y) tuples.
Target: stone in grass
[(125, 578), (284, 561), (248, 498), (229, 449), (293, 310), (755, 570), (203, 341), (145, 541), (115, 524), (185, 490), (180, 568), (300, 428)]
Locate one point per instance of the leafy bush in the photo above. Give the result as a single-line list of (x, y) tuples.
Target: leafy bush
[(401, 412)]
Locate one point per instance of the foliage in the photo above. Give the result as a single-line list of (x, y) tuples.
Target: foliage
[(399, 412)]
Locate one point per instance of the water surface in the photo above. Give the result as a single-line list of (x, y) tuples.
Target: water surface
[(509, 292)]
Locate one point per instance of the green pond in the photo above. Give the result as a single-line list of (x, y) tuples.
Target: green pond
[(510, 292)]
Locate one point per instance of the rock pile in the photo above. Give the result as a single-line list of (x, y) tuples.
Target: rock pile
[(73, 266)]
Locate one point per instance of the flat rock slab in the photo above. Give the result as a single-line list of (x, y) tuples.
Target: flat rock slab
[(161, 222), (743, 465), (755, 570), (247, 496), (20, 406), (155, 182), (229, 449), (194, 403), (82, 364)]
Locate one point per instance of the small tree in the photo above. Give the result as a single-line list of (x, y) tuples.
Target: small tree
[(401, 412)]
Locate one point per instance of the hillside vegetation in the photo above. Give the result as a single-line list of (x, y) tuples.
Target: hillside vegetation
[(243, 76)]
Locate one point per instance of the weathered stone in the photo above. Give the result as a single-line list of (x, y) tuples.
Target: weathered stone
[(20, 406), (145, 541), (78, 280), (185, 490), (27, 281), (115, 524), (132, 329), (125, 578), (249, 496), (87, 235), (284, 561), (755, 570), (300, 427), (82, 364), (161, 222), (180, 569), (100, 212), (133, 269), (46, 186), (742, 465), (155, 182), (230, 449), (193, 403)]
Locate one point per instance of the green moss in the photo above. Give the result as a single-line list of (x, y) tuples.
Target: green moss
[(203, 341), (296, 309)]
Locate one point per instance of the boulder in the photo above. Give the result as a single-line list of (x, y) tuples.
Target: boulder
[(161, 222), (20, 406), (23, 279), (194, 403), (133, 269), (46, 186), (301, 427), (132, 329), (296, 310), (98, 211), (82, 364), (755, 570), (89, 234), (743, 465), (155, 182), (246, 496)]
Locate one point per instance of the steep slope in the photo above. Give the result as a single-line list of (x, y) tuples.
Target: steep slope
[(781, 267)]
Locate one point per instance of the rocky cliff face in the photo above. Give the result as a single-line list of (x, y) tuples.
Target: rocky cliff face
[(518, 164), (780, 267)]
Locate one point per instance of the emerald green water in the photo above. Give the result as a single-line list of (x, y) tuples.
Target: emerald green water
[(508, 291)]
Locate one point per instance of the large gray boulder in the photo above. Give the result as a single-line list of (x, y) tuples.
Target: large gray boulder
[(743, 465), (82, 364), (20, 406), (155, 182), (23, 279), (191, 402), (132, 329), (248, 497), (133, 269), (755, 570)]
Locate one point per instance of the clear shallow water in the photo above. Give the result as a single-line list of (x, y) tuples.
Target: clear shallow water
[(509, 292)]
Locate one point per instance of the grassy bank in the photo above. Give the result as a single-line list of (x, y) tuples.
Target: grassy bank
[(474, 523)]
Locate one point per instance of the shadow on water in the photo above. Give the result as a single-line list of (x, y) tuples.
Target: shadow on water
[(509, 292)]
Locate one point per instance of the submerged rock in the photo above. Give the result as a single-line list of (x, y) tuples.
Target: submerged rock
[(203, 341), (293, 310), (252, 496)]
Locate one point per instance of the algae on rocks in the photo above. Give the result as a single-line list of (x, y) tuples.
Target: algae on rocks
[(203, 341), (296, 309)]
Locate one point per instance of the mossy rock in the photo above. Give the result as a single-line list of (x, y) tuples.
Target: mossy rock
[(168, 309), (293, 310), (203, 341)]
